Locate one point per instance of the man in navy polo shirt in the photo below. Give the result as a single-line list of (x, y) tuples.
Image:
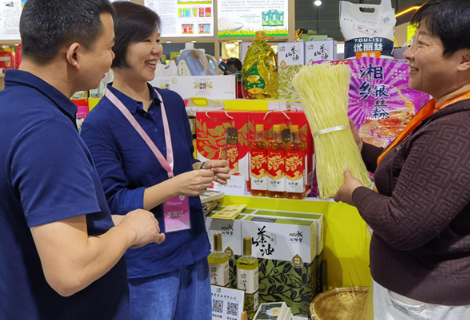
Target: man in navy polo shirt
[(60, 253)]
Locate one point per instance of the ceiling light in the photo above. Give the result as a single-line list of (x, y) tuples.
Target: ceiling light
[(317, 3)]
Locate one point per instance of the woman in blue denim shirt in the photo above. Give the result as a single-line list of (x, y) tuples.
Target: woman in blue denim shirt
[(169, 281)]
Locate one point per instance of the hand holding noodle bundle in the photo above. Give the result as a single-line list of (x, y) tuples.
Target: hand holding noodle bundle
[(323, 91)]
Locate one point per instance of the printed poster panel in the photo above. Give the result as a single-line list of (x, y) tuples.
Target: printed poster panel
[(184, 18), (10, 13), (242, 18)]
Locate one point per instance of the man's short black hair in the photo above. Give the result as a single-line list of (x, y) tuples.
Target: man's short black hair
[(449, 20), (47, 25), (235, 62), (133, 23)]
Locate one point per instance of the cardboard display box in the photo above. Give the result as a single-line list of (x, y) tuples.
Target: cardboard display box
[(291, 58), (231, 231), (320, 50), (286, 248)]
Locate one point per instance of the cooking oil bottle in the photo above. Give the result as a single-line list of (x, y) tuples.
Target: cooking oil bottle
[(259, 73), (248, 278), (218, 263), (259, 163), (295, 165), (276, 165)]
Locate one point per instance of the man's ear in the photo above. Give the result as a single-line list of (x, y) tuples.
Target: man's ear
[(465, 60), (73, 55)]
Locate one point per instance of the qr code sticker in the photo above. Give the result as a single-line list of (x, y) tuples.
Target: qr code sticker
[(232, 309), (217, 306)]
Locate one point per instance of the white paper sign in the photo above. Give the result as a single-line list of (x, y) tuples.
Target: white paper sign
[(236, 186), (10, 13), (227, 303)]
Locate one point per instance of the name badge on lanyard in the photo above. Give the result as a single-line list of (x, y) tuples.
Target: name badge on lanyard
[(176, 209)]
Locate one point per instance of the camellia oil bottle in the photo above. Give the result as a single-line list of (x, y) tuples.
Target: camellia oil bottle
[(276, 165), (295, 165), (218, 263), (259, 163), (248, 278)]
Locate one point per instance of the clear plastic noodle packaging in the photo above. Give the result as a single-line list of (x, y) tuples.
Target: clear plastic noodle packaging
[(323, 91)]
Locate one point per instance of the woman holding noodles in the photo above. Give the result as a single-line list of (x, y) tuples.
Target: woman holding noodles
[(420, 249), (141, 143)]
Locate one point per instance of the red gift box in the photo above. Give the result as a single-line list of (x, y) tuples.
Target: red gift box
[(286, 119), (224, 135)]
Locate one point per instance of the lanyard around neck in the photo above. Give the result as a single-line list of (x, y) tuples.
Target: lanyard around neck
[(428, 110), (167, 163)]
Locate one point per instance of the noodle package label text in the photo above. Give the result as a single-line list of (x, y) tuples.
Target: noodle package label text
[(381, 103)]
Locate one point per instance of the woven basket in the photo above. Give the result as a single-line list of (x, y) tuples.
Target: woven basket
[(340, 304)]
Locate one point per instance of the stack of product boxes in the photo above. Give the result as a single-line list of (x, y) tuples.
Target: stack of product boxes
[(292, 56), (289, 248)]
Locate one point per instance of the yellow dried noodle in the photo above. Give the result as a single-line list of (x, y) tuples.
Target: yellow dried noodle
[(323, 91)]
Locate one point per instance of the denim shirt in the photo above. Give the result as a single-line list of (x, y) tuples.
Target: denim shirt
[(127, 167)]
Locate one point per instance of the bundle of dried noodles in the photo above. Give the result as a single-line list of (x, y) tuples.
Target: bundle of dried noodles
[(323, 91)]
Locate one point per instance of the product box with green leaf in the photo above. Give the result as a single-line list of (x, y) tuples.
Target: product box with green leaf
[(291, 58), (318, 218), (286, 250), (231, 231)]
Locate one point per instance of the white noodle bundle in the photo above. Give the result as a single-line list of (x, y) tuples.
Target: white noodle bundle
[(323, 91)]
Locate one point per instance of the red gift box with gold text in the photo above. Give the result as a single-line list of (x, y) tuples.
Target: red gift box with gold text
[(224, 135)]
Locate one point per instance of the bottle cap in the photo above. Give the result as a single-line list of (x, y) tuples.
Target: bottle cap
[(277, 128), (286, 135), (217, 242), (247, 246), (260, 127), (188, 46), (259, 35), (294, 128), (231, 131)]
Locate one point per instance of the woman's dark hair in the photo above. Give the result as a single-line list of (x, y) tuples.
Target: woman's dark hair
[(46, 26), (235, 62), (449, 20), (132, 23)]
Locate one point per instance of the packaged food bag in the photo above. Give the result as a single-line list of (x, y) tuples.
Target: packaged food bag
[(381, 103), (367, 29)]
